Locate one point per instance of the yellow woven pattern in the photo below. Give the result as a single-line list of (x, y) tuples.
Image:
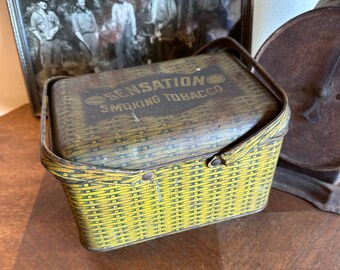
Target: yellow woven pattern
[(115, 208), (257, 139), (178, 198)]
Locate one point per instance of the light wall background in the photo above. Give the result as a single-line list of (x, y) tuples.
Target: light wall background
[(12, 85), (268, 16)]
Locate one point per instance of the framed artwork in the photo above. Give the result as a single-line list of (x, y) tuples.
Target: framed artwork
[(75, 37)]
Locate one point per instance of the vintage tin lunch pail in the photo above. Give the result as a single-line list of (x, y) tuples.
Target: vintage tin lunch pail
[(153, 150)]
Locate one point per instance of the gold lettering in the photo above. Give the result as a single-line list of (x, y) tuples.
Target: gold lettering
[(201, 93), (145, 87), (104, 108), (136, 104), (194, 95), (176, 82), (132, 90), (127, 106), (210, 91), (167, 96), (110, 96), (148, 102), (218, 88), (167, 82), (185, 81), (157, 85), (175, 97), (184, 96), (120, 93), (198, 80), (116, 107), (156, 99)]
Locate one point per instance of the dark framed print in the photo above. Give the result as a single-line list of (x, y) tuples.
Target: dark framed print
[(75, 37)]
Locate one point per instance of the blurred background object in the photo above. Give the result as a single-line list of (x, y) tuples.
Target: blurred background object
[(303, 57)]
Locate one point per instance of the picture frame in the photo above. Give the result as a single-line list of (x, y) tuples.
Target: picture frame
[(59, 37)]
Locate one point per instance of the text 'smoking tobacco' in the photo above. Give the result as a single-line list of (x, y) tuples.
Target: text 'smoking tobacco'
[(153, 150)]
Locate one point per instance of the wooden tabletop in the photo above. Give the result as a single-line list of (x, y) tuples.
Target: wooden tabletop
[(37, 230)]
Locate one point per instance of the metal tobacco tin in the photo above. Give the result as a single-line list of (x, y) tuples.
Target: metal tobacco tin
[(148, 116)]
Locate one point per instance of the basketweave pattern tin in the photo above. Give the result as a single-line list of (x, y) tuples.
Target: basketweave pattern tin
[(136, 150)]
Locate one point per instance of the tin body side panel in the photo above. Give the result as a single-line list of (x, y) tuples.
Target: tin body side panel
[(178, 198)]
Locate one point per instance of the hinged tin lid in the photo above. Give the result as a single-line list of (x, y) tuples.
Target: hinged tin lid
[(149, 116)]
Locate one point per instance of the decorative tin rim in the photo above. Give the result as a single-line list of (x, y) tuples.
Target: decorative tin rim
[(80, 172)]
